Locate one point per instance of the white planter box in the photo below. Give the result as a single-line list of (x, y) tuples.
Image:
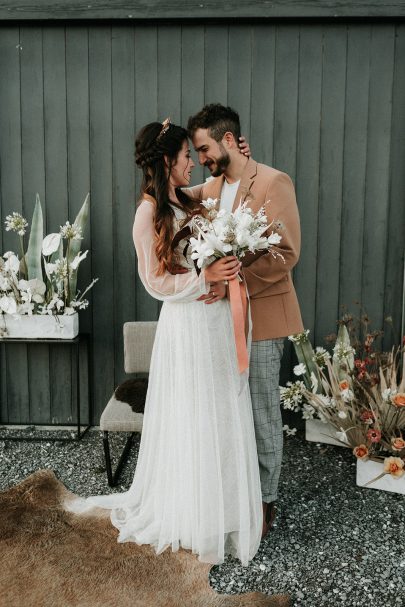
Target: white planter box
[(318, 432), (368, 470), (40, 327)]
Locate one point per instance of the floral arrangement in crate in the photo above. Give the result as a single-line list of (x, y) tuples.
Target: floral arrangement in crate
[(359, 391), (43, 280)]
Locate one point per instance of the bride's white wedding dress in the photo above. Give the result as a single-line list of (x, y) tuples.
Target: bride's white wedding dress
[(196, 483)]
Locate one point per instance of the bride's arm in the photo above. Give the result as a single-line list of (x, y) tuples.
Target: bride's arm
[(167, 287)]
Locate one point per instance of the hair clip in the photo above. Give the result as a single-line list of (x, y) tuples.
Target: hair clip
[(165, 127)]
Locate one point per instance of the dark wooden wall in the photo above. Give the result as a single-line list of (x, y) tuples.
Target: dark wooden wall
[(323, 101)]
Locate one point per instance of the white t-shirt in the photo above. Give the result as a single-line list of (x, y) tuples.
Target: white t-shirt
[(228, 194)]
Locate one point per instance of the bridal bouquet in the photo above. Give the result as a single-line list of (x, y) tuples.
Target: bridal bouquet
[(358, 390), (43, 280), (223, 233)]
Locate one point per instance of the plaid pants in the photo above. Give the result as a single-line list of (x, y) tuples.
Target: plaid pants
[(265, 359)]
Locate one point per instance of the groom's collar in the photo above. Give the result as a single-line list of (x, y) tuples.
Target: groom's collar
[(213, 187)]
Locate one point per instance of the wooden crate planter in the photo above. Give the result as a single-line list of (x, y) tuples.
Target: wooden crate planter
[(40, 326), (319, 432), (368, 470)]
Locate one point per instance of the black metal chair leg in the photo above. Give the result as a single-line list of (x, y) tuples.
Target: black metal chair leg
[(113, 477)]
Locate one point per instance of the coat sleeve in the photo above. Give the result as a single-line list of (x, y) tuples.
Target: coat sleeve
[(165, 287), (281, 205)]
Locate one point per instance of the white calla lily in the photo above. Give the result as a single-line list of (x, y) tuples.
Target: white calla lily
[(51, 243), (8, 305)]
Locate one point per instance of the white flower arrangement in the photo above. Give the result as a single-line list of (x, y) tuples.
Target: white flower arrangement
[(223, 233), (44, 279)]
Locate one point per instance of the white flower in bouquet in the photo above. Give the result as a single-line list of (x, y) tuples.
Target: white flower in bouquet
[(79, 257), (299, 337), (292, 395), (72, 232), (8, 305), (236, 233), (16, 223), (300, 369), (44, 279), (12, 263), (51, 243)]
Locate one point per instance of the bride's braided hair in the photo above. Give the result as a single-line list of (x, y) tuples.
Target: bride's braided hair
[(156, 150)]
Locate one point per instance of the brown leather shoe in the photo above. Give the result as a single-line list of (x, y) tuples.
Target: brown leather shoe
[(269, 515)]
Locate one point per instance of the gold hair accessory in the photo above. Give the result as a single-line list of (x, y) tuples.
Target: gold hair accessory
[(165, 127)]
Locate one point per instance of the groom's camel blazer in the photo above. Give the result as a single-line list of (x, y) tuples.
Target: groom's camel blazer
[(274, 305)]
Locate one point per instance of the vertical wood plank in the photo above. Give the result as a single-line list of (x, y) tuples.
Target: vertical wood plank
[(216, 64), (123, 65), (57, 209), (146, 110), (78, 162), (33, 180), (169, 72), (285, 124), (240, 73), (102, 213), (331, 168), (286, 99), (192, 81), (377, 173), (354, 168), (308, 152), (263, 90), (396, 213), (14, 386)]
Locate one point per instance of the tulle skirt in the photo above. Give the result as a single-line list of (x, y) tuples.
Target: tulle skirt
[(196, 483)]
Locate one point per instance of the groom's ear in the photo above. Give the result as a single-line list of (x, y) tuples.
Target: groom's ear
[(229, 140)]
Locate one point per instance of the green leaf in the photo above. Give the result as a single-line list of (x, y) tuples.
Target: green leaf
[(34, 251), (75, 245)]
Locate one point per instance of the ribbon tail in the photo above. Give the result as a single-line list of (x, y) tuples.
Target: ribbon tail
[(238, 300)]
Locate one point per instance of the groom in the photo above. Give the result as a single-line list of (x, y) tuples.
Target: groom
[(215, 133)]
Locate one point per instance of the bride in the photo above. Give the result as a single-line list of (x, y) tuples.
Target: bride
[(196, 483)]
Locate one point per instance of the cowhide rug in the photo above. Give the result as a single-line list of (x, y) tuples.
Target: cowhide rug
[(50, 557)]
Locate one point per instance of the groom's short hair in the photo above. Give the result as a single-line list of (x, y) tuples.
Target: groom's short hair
[(218, 119)]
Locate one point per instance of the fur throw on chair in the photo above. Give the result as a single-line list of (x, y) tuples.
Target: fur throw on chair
[(133, 392)]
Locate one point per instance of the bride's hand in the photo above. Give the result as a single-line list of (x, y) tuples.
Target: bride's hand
[(217, 292), (226, 268), (244, 147)]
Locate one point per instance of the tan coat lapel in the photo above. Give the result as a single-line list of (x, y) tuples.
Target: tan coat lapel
[(246, 182), (212, 188)]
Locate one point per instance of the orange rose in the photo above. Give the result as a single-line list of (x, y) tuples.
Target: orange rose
[(361, 452), (344, 385), (394, 466), (399, 399), (398, 444)]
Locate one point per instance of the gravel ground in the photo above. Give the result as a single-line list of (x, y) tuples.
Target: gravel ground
[(333, 544)]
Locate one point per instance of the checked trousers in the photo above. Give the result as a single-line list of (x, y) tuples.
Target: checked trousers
[(264, 377)]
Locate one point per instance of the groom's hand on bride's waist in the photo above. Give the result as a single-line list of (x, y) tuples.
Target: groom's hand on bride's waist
[(217, 291)]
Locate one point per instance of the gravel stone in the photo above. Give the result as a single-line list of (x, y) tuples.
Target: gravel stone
[(333, 543)]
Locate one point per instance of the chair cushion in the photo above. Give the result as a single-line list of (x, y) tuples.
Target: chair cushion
[(119, 417)]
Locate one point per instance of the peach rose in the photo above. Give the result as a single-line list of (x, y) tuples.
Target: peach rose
[(398, 444), (399, 399), (394, 466), (344, 385), (361, 452)]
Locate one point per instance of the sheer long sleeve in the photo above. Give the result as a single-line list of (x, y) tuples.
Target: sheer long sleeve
[(167, 287)]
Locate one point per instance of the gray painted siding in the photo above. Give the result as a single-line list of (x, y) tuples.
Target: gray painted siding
[(324, 102)]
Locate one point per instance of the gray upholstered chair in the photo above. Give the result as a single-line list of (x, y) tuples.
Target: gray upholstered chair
[(118, 416)]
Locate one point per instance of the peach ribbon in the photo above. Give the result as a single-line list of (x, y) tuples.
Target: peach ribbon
[(238, 300)]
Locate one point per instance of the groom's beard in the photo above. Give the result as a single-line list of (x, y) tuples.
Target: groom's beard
[(220, 164)]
